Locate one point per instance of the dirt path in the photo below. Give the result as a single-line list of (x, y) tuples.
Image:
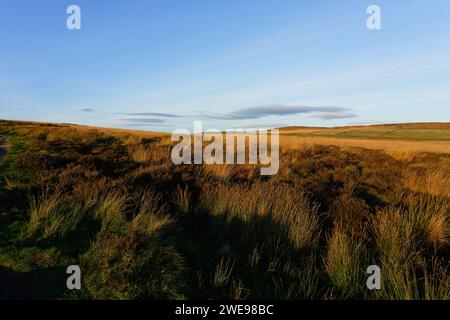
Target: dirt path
[(3, 147)]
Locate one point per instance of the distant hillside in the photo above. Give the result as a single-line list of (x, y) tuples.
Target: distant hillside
[(409, 131), (404, 131)]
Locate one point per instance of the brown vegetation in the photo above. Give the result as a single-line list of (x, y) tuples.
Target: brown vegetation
[(142, 227)]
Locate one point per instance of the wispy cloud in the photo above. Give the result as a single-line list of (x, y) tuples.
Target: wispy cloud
[(334, 116), (257, 126), (144, 120), (273, 110), (145, 125), (87, 110), (147, 119), (153, 114), (366, 122)]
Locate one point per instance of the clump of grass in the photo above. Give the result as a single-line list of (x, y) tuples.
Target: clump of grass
[(291, 210), (343, 263), (431, 219), (13, 183), (436, 281), (394, 235), (401, 236), (397, 250), (151, 217), (434, 181), (238, 290), (111, 210), (182, 200), (223, 272), (139, 153), (53, 214), (302, 220)]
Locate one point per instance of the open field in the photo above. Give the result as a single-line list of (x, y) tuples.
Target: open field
[(140, 227), (402, 149), (413, 131), (402, 141)]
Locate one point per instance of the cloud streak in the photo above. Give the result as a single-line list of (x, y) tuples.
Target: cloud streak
[(334, 116), (147, 125), (273, 110), (144, 120), (153, 114)]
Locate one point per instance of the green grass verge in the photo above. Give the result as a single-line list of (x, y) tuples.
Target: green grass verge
[(17, 145), (402, 134)]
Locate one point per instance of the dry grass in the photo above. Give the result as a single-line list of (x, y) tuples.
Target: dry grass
[(297, 217), (434, 181), (430, 217), (12, 183), (343, 263), (149, 154), (139, 153), (220, 171), (394, 234), (111, 210), (436, 280), (182, 200), (53, 215), (223, 272), (152, 216), (308, 232), (399, 149), (397, 251)]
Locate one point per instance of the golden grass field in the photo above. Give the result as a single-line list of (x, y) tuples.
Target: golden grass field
[(400, 140)]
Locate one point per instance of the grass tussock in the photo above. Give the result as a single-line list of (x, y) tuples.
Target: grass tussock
[(111, 210), (53, 215), (139, 153), (182, 200), (434, 181), (430, 217), (297, 217), (394, 234), (344, 264), (152, 217)]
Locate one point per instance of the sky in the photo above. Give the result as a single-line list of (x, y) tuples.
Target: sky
[(161, 64)]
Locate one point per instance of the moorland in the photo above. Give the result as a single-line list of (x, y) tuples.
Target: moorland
[(141, 227)]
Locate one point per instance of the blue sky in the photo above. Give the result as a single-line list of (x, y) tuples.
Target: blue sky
[(160, 65)]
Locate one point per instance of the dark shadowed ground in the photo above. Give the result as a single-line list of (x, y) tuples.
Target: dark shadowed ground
[(3, 147), (12, 285)]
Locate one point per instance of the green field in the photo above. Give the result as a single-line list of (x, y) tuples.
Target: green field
[(403, 132)]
